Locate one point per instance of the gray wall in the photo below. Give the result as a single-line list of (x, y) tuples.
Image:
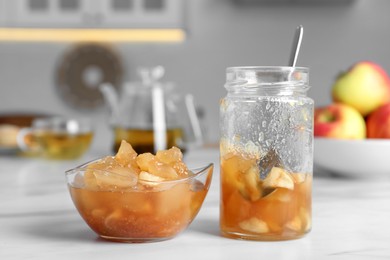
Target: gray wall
[(220, 34)]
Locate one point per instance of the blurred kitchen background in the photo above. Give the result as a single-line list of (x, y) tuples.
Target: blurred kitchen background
[(217, 34)]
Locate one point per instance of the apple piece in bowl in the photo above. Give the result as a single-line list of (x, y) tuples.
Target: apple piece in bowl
[(138, 198)]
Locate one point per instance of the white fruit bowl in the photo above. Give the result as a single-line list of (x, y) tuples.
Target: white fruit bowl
[(353, 158)]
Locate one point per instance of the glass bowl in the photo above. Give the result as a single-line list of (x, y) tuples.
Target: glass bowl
[(133, 210)]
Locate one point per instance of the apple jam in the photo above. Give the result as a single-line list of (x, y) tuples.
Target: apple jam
[(266, 153), (134, 197), (275, 208), (139, 214)]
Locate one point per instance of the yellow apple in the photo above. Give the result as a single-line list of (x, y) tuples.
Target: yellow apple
[(365, 86), (378, 123), (339, 121)]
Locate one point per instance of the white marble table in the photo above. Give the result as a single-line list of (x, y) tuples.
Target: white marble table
[(351, 220)]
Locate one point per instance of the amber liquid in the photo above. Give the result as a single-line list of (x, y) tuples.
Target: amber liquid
[(138, 216), (282, 214), (62, 145), (142, 140)]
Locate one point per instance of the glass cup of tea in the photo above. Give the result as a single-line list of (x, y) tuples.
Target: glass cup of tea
[(56, 138)]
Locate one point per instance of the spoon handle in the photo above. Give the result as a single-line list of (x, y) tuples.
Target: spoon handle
[(296, 45)]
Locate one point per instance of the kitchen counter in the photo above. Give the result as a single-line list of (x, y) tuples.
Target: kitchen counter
[(351, 220)]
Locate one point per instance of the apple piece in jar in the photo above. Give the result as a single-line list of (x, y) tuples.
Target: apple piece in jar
[(299, 177), (251, 189), (239, 173), (278, 178), (295, 224), (254, 225)]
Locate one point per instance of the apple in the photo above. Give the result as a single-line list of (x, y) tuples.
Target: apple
[(365, 86), (339, 121), (378, 123)]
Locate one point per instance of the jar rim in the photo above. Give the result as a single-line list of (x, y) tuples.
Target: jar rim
[(271, 68), (267, 78)]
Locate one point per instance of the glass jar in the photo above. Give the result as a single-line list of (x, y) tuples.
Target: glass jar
[(266, 153)]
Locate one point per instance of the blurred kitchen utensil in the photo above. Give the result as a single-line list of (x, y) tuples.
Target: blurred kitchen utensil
[(82, 69), (151, 115)]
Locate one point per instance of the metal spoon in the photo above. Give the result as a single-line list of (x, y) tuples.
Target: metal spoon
[(272, 159), (296, 46)]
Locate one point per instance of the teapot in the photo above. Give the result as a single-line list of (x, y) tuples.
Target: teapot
[(149, 114)]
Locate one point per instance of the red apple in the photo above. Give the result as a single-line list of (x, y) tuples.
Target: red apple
[(378, 123), (365, 86), (339, 121)]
